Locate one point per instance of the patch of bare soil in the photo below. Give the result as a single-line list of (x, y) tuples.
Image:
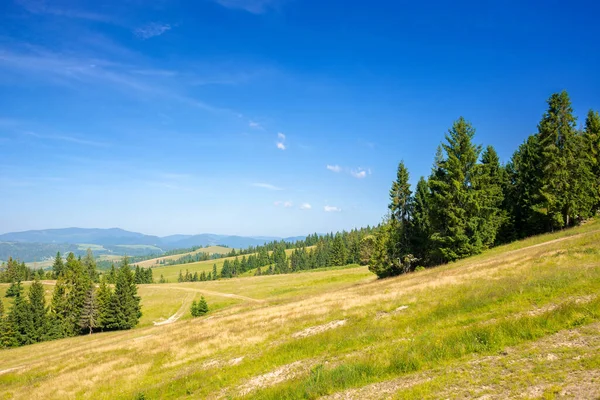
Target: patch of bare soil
[(382, 390), (314, 330), (279, 375)]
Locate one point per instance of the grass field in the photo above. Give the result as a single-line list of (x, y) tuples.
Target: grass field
[(171, 272), (519, 321), (211, 250)]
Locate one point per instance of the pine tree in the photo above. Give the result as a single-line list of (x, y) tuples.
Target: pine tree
[(381, 263), (59, 310), (454, 199), (77, 283), (401, 203), (106, 317), (89, 318), (194, 309), (89, 265), (487, 185), (591, 148), (58, 266), (38, 311), (421, 225), (125, 302), (21, 320), (339, 252), (15, 289), (214, 272), (202, 307), (1, 309), (556, 132)]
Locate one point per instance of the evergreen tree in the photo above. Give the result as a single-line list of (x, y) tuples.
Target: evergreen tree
[(58, 266), (89, 318), (194, 309), (214, 272), (21, 320), (338, 251), (125, 302), (1, 309), (77, 283), (487, 187), (421, 225), (38, 311), (15, 289), (556, 131), (89, 265), (106, 315), (591, 149), (202, 307), (59, 310), (456, 228)]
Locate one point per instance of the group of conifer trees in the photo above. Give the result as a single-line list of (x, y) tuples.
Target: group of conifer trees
[(77, 305), (471, 202)]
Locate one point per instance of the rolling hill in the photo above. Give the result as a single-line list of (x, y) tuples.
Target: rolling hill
[(518, 321)]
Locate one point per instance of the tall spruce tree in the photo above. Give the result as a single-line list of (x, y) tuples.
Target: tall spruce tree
[(89, 319), (89, 265), (421, 225), (487, 185), (456, 232), (125, 301), (106, 315), (401, 203), (558, 144), (38, 311), (58, 266), (591, 148)]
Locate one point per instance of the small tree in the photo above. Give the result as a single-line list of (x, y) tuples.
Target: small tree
[(194, 309), (15, 289), (202, 306)]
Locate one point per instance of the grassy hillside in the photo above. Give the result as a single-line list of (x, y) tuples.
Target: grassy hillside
[(211, 250), (521, 320), (171, 272)]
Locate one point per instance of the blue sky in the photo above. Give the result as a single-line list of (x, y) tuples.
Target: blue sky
[(263, 117)]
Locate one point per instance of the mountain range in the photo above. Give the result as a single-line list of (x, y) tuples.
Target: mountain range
[(39, 244)]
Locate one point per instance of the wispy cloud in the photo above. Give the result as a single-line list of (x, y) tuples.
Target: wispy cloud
[(266, 186), (286, 204), (305, 206), (151, 30), (360, 173), (251, 6), (255, 125), (281, 141), (332, 209), (63, 138), (334, 168), (74, 71)]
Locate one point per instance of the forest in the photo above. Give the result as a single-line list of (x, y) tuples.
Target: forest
[(471, 202), (78, 305)]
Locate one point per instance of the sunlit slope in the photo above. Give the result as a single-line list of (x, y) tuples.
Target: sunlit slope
[(171, 272), (155, 262), (518, 321)]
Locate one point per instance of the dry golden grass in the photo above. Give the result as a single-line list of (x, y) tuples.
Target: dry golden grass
[(253, 346)]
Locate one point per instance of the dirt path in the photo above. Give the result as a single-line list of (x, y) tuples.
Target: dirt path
[(213, 293), (185, 304)]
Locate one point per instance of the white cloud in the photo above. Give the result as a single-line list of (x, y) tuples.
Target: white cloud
[(331, 209), (360, 173), (334, 168), (152, 29), (305, 206), (288, 204), (277, 203), (281, 141), (255, 125), (266, 186)]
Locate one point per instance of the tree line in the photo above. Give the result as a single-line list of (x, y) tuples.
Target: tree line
[(77, 307), (471, 202)]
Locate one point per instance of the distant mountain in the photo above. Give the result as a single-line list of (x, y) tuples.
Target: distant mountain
[(40, 244), (112, 236)]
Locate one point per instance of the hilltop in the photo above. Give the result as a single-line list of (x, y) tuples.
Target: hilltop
[(519, 320)]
